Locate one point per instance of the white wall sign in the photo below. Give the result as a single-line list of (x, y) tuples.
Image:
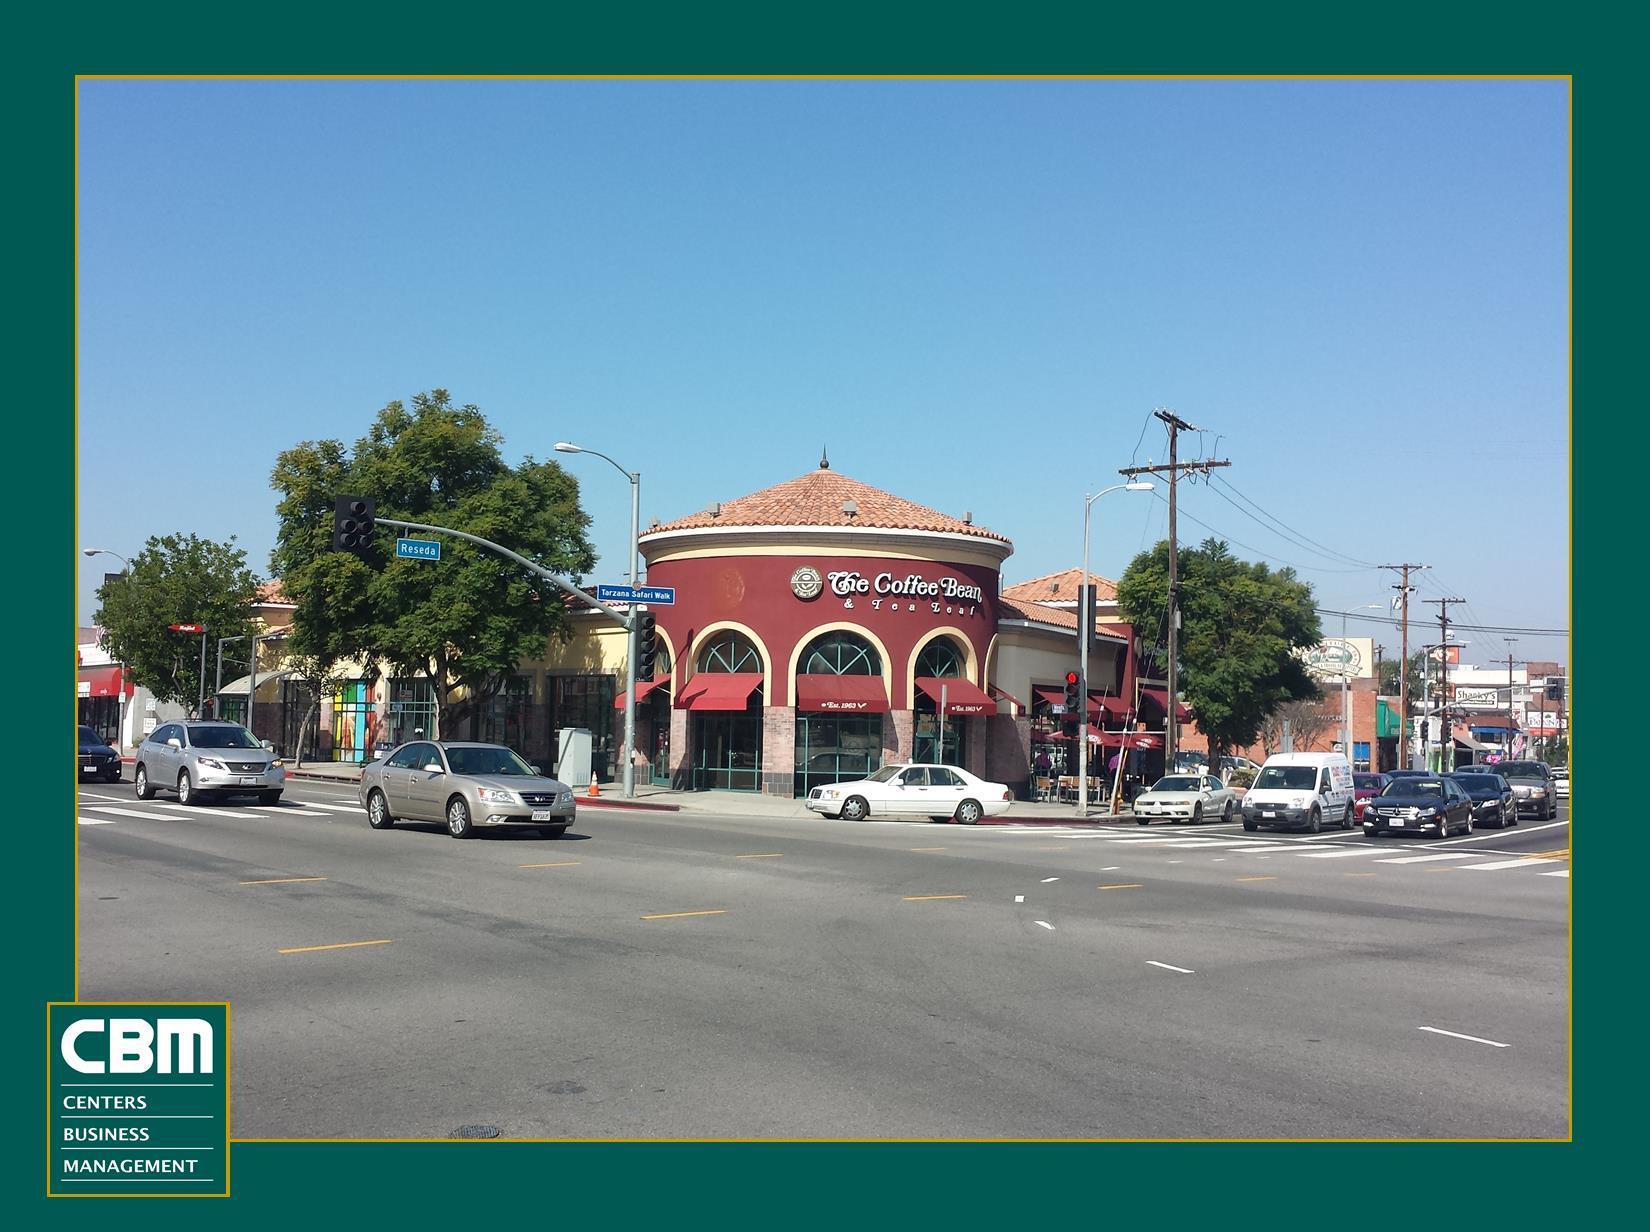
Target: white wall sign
[(1477, 697), (1334, 657)]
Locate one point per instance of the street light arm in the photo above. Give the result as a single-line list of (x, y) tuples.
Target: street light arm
[(569, 447)]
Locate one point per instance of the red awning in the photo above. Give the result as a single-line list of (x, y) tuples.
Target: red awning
[(719, 691), (841, 694), (106, 681), (1132, 740), (1160, 697), (643, 688), (1115, 706), (1054, 697), (961, 697)]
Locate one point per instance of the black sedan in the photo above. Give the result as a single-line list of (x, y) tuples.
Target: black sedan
[(1493, 801), (97, 759), (1413, 805)]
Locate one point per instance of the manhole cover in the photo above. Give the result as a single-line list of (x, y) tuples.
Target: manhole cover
[(475, 1131)]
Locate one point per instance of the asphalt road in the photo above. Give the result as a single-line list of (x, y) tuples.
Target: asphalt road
[(669, 975)]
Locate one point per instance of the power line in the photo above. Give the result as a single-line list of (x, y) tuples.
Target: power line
[(1391, 620), (1285, 528)]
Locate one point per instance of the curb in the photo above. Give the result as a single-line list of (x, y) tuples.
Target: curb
[(642, 806)]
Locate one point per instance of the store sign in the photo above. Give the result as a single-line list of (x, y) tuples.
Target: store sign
[(1477, 697), (1335, 657), (893, 592), (835, 705)]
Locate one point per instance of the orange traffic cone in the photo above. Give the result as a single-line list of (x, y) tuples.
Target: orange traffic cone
[(594, 790)]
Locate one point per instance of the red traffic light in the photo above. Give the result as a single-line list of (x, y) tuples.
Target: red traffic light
[(1072, 678)]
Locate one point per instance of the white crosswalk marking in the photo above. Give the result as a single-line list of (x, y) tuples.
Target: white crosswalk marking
[(1269, 847), (1563, 872), (220, 812), (1343, 852), (1523, 862), (95, 821), (144, 815), (298, 808), (1453, 855)]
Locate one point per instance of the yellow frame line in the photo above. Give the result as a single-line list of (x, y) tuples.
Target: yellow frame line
[(930, 898), (342, 945), (560, 864), (677, 915), (1122, 885), (1257, 878), (282, 880), (762, 855)]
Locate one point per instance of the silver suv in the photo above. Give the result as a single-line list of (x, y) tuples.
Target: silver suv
[(201, 759)]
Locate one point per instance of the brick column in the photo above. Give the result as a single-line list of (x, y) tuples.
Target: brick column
[(681, 750), (898, 729), (974, 745), (779, 751)]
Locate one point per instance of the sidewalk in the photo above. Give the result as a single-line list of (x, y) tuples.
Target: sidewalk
[(654, 798)]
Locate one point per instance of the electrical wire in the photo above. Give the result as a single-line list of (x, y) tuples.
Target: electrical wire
[(1289, 531)]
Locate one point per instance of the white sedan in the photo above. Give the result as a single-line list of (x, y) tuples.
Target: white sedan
[(1188, 797), (913, 790)]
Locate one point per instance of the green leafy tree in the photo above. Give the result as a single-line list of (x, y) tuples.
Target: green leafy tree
[(175, 579), (1387, 675), (1242, 626), (465, 622)]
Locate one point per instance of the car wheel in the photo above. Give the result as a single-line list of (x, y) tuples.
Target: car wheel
[(1144, 821), (1226, 815), (969, 813), (1346, 818), (1369, 833), (186, 789), (854, 808), (1197, 813), (1250, 827), (269, 797), (1468, 830), (141, 781), (379, 816), (1314, 821), (458, 818)]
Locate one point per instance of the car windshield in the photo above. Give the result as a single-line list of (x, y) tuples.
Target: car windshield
[(1523, 769), (487, 759), (226, 736), (1414, 787), (88, 736), (1366, 780), (1476, 782), (883, 775), (1287, 778), (1176, 783)]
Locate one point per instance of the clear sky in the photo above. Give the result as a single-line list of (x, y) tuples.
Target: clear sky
[(974, 293)]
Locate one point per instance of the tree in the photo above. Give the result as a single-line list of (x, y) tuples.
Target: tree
[(1387, 675), (1307, 721), (465, 622), (1242, 625), (175, 579), (317, 677)]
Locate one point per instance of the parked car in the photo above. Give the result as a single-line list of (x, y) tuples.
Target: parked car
[(1532, 784), (202, 759), (1189, 797), (1561, 781), (1417, 803), (1365, 786), (97, 759), (1406, 774), (1198, 763), (1493, 800), (465, 786), (1302, 791), (937, 792)]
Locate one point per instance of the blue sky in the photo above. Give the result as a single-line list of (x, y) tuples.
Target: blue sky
[(974, 293)]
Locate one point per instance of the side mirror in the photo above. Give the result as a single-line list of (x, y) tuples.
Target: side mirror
[(269, 746), (538, 768), (435, 768), (174, 742)]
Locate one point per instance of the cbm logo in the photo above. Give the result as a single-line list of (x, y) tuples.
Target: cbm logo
[(169, 1046)]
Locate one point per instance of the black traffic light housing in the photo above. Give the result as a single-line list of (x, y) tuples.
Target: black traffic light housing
[(353, 523), (647, 644), (1555, 690), (1073, 681)]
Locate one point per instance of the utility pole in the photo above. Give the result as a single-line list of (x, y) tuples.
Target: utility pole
[(1375, 744), (1176, 425), (1507, 752), (1443, 680), (1404, 589)]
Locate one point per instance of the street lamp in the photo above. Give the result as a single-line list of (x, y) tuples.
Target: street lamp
[(1346, 701), (120, 693), (635, 478), (1084, 633)]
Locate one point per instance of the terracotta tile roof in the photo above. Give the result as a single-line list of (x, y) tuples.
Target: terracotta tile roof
[(815, 499), (1064, 617), (1061, 588), (271, 592)]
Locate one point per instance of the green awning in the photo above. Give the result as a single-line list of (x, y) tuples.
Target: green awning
[(1386, 719)]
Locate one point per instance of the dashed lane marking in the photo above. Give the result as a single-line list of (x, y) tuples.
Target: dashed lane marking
[(1046, 925), (928, 849), (931, 898), (95, 821), (1257, 878), (282, 880), (1563, 872), (760, 855), (680, 915), (1152, 962), (556, 864), (1457, 1035), (1127, 885), (1522, 862), (1046, 880)]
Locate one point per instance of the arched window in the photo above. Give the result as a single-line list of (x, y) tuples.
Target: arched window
[(941, 657), (729, 651), (839, 653)]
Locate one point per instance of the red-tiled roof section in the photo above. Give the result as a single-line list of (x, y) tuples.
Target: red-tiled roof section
[(1060, 588), (815, 499), (1063, 617), (271, 592)]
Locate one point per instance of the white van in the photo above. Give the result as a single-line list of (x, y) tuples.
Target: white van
[(1301, 791)]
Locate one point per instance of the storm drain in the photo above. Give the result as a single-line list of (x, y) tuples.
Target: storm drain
[(475, 1131)]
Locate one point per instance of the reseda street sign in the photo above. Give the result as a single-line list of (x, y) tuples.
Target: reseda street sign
[(418, 549)]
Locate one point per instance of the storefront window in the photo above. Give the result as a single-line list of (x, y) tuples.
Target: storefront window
[(727, 744), (352, 712), (504, 718), (585, 701), (831, 748), (729, 652), (930, 741), (839, 654), (412, 710)]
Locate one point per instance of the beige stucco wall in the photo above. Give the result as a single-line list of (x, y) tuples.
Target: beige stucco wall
[(1023, 658)]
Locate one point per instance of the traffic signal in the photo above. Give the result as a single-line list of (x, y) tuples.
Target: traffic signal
[(1073, 680), (353, 524), (647, 644), (1555, 690)]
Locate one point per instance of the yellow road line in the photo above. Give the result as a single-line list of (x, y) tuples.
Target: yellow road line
[(677, 915), (558, 864), (342, 945), (1257, 878), (1560, 853), (764, 855), (928, 898), (1127, 885), (928, 849), (1464, 856), (282, 880), (1359, 874)]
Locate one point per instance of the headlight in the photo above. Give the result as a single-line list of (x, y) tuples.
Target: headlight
[(831, 793), (276, 764), (213, 762), (495, 795), (1300, 802)]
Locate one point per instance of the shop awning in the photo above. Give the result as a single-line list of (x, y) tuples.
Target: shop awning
[(643, 688), (961, 697), (108, 680), (841, 694), (1467, 742), (1003, 695), (1130, 740), (1117, 707), (238, 688), (719, 691), (1160, 698)]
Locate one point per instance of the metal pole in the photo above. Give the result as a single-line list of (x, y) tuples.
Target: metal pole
[(1083, 671), (1346, 702), (200, 705), (939, 741), (1174, 607), (630, 673)]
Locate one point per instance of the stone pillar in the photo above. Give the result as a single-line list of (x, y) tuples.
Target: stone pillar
[(1008, 752), (681, 750), (779, 751), (974, 745), (898, 730)]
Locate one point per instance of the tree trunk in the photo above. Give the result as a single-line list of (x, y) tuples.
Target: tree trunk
[(314, 708)]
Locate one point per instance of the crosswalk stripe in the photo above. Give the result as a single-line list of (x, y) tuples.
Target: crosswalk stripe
[(293, 808), (1269, 847), (1453, 855), (1563, 872), (220, 812), (1526, 862), (146, 815), (95, 821), (1339, 854)]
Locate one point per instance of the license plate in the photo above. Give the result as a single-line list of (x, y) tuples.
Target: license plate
[(249, 781), (88, 768), (1397, 825), (1267, 813), (541, 814)]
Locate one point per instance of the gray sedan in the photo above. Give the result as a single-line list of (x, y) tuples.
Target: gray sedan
[(466, 787)]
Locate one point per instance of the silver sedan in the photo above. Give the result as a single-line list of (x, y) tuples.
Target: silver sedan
[(1188, 797), (466, 787)]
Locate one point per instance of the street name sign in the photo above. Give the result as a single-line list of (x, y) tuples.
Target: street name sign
[(663, 595), (187, 628), (418, 549)]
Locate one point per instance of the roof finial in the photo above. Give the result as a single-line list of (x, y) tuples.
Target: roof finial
[(824, 461)]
